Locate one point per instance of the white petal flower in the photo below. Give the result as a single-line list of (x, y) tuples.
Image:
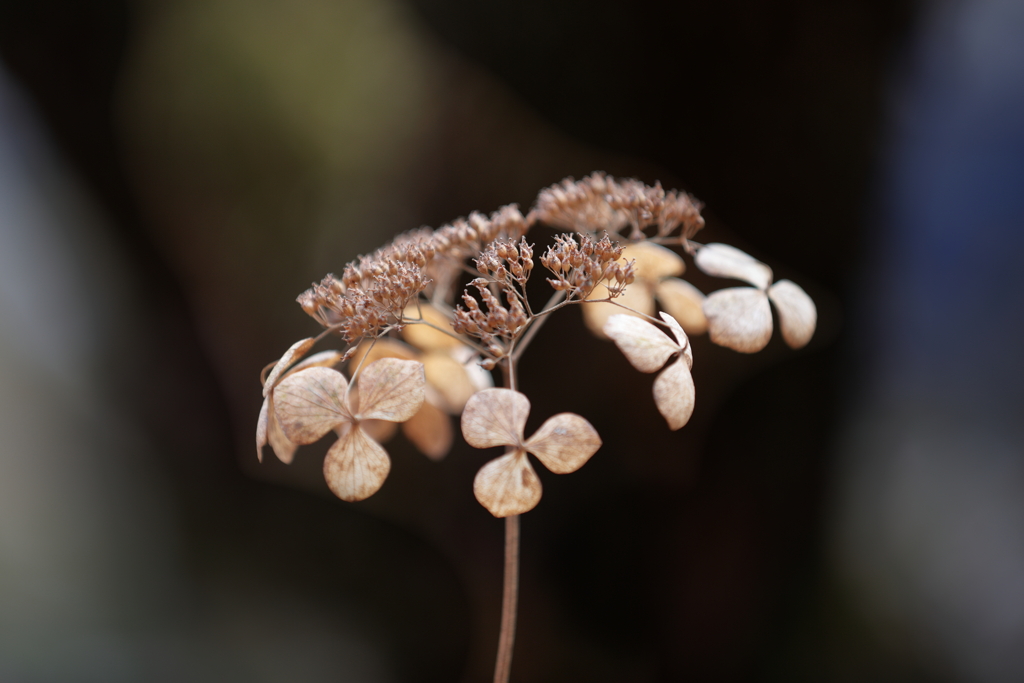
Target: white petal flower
[(741, 317), (647, 348), (508, 485)]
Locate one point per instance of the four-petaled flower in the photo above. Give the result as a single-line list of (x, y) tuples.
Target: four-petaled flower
[(647, 348), (509, 485), (311, 402), (740, 317)]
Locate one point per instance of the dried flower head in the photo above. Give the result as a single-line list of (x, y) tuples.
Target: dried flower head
[(578, 266), (740, 317), (311, 402), (647, 348), (508, 485), (599, 202)]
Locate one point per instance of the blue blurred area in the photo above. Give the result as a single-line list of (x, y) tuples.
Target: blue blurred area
[(931, 530)]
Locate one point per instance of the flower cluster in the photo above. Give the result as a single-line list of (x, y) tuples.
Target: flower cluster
[(600, 202), (408, 288), (578, 267)]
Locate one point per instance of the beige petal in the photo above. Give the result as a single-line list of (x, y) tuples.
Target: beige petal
[(564, 442), (644, 345), (508, 485), (739, 318), (356, 466), (391, 389), (680, 335), (430, 430), (674, 394), (425, 337), (639, 296), (684, 302), (296, 350), (723, 260), (283, 448), (495, 417), (653, 261), (450, 378), (375, 349), (310, 403), (262, 423), (797, 314)]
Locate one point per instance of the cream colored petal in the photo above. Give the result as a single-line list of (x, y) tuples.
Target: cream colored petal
[(680, 335), (508, 485), (495, 417), (283, 448), (391, 389), (262, 423), (637, 296), (321, 359), (797, 314), (684, 302), (653, 261), (564, 442), (295, 351), (375, 349), (723, 260), (450, 378), (310, 403), (739, 318), (425, 337), (430, 430), (643, 344), (674, 394), (356, 466)]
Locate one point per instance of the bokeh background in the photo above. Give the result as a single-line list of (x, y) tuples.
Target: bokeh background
[(173, 174)]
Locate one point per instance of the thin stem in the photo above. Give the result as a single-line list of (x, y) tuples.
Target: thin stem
[(538, 321), (510, 587), (509, 600)]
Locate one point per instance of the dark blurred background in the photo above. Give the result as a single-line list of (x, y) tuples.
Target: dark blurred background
[(173, 174)]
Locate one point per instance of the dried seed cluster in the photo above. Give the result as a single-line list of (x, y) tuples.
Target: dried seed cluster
[(494, 325), (578, 267), (374, 290), (600, 202)]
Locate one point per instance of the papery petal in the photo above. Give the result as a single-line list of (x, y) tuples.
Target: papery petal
[(450, 378), (430, 430), (684, 302), (283, 448), (643, 344), (391, 389), (356, 466), (680, 335), (797, 314), (262, 423), (653, 261), (425, 337), (564, 442), (639, 296), (674, 394), (296, 350), (495, 417), (507, 485), (375, 349), (739, 318), (723, 260), (310, 403)]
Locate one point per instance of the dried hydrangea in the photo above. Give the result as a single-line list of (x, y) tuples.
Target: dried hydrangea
[(508, 485)]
